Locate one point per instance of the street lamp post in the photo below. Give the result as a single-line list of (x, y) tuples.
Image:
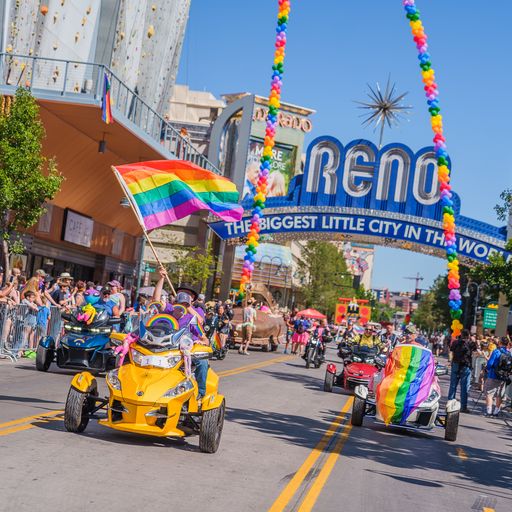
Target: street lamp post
[(467, 294), (271, 260)]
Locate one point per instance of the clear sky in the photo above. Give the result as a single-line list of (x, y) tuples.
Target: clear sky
[(336, 47)]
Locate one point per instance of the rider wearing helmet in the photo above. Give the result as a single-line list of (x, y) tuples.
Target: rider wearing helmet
[(368, 338), (412, 338), (193, 319)]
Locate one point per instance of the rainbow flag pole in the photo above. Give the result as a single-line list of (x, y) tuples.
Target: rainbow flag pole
[(163, 191), (140, 219)]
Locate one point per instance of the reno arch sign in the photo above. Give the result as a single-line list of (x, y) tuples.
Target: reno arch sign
[(394, 175), (358, 192)]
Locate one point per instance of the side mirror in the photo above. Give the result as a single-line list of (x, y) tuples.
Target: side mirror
[(379, 362)]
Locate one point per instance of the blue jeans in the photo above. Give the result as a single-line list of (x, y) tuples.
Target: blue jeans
[(200, 372), (462, 374)]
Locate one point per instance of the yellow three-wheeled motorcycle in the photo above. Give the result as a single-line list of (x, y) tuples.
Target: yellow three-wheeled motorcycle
[(150, 394)]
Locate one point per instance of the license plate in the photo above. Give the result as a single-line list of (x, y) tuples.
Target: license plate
[(162, 362)]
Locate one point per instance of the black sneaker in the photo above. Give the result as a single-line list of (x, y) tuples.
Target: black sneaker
[(465, 411)]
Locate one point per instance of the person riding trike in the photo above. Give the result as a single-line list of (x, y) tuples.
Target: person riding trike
[(406, 394), (360, 356), (154, 392)]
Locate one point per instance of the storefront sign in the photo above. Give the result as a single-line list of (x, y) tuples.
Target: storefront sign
[(490, 316), (285, 120), (77, 228)]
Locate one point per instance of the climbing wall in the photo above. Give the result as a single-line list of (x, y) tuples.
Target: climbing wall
[(58, 29), (148, 46)]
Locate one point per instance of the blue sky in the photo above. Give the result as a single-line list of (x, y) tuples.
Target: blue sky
[(336, 47)]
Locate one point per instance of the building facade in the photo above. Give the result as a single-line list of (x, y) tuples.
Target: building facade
[(140, 41)]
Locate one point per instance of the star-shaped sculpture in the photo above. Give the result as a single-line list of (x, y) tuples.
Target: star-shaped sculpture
[(384, 108)]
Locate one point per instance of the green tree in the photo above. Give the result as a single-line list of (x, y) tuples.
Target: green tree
[(194, 268), (498, 272), (325, 276), (27, 178), (382, 312), (428, 316)]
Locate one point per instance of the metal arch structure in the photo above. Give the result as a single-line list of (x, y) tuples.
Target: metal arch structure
[(357, 192)]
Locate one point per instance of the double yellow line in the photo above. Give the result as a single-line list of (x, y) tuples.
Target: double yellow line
[(255, 366), (327, 464), (29, 422)]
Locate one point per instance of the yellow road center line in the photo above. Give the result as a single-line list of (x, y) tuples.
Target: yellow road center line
[(462, 454), (254, 366), (320, 481), (38, 418), (294, 484), (8, 431), (27, 419)]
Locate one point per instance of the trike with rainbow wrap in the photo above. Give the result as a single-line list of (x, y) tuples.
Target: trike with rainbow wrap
[(406, 394)]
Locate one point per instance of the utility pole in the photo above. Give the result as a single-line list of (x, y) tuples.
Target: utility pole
[(416, 279)]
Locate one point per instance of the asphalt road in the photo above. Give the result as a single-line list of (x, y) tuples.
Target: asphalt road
[(286, 445)]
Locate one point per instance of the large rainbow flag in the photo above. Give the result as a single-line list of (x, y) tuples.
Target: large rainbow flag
[(163, 191), (407, 382)]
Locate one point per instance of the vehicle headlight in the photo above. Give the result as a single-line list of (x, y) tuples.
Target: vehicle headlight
[(431, 399), (182, 387), (173, 361), (113, 380), (370, 360), (357, 359), (67, 327), (137, 357)]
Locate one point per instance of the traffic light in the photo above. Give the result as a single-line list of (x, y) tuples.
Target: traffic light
[(417, 294)]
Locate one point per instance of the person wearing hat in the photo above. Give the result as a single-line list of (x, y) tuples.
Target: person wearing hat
[(35, 284), (116, 296), (106, 303), (193, 319)]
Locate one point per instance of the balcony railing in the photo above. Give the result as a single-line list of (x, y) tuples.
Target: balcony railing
[(83, 82)]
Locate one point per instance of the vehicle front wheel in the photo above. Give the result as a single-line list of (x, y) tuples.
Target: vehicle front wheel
[(211, 429), (77, 410), (451, 426), (309, 357), (358, 408), (329, 381), (44, 358)]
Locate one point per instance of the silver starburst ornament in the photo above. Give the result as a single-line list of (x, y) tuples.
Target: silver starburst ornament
[(383, 108)]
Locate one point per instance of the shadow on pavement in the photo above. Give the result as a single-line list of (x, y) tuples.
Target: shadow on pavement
[(315, 381), (24, 399), (392, 448), (291, 428)]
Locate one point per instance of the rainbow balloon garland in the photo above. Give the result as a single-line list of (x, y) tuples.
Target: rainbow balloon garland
[(431, 90), (268, 144)]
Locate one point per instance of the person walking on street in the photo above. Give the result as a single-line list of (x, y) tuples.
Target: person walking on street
[(247, 327), (494, 385), (462, 351)]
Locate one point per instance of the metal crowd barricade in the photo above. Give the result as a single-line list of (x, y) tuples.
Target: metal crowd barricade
[(5, 327), (18, 324)]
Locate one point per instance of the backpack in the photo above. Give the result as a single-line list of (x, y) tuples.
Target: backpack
[(461, 353), (300, 327), (504, 367)]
